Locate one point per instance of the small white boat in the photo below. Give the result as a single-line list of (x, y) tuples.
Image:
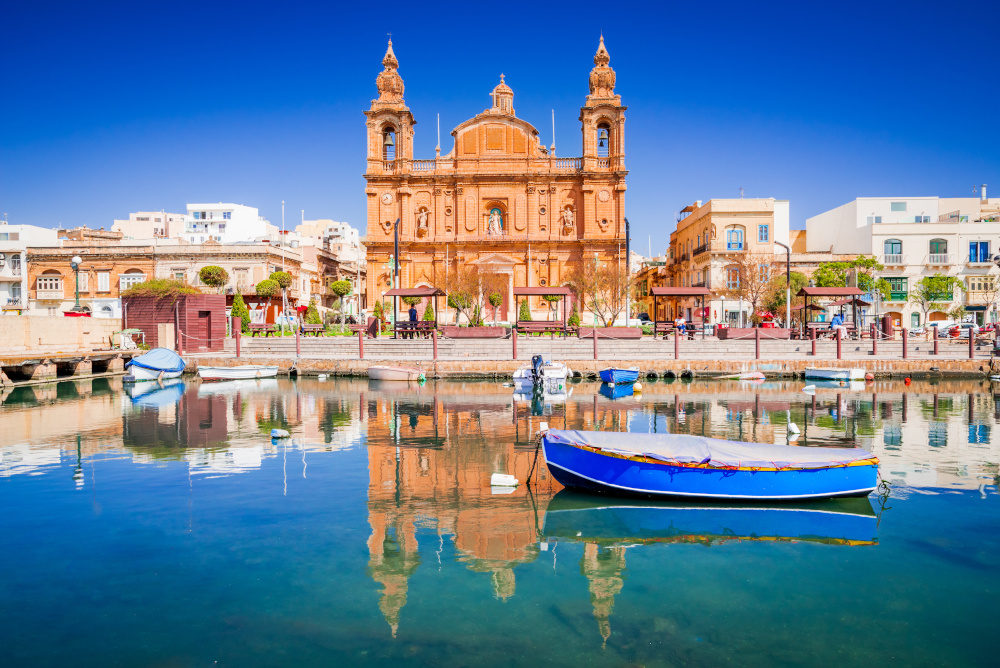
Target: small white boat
[(394, 373), (157, 364), (237, 372), (831, 373), (542, 372)]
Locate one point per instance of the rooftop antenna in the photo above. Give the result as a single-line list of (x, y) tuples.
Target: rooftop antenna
[(438, 149), (553, 132), (741, 192)]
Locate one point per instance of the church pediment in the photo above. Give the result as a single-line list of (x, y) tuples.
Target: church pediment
[(495, 260), (491, 135)]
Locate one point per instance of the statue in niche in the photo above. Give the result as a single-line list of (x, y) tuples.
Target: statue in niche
[(494, 224), (568, 220), (422, 217)]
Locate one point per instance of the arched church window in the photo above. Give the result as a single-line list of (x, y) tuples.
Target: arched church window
[(389, 143), (603, 140)]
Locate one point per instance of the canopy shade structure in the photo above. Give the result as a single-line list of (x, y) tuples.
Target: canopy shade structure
[(541, 291), (810, 291), (679, 292), (848, 302), (415, 292)]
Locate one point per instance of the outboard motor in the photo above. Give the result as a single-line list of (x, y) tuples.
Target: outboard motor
[(536, 368)]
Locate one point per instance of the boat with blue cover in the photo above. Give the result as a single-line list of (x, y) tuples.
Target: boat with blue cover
[(676, 465), (157, 364), (610, 522), (617, 376)]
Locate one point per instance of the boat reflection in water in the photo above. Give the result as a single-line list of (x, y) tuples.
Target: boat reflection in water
[(609, 527), (156, 394)]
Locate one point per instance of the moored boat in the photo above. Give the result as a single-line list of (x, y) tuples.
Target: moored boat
[(383, 372), (237, 372), (552, 375), (833, 373), (157, 364), (675, 465), (615, 375)]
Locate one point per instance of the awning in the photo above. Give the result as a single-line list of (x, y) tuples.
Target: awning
[(828, 292), (540, 291), (976, 308), (415, 292), (848, 302), (680, 292)]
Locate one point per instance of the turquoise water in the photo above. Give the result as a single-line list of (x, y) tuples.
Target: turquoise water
[(167, 529)]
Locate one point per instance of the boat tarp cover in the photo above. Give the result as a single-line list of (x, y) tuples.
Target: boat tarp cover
[(684, 449), (159, 359)]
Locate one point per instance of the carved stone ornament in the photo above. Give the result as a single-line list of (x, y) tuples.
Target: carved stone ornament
[(531, 189), (603, 222), (422, 217), (388, 82), (387, 226), (604, 195), (568, 220)]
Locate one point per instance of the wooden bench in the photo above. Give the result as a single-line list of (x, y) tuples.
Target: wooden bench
[(540, 327), (664, 327), (410, 329), (314, 329), (259, 328)]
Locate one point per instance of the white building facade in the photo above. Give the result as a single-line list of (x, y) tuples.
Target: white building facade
[(150, 225), (916, 237), (225, 223), (14, 240)]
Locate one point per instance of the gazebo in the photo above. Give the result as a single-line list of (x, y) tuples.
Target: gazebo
[(848, 295), (678, 293), (541, 291), (421, 292)]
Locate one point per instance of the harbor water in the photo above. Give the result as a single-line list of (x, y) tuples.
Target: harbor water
[(160, 525)]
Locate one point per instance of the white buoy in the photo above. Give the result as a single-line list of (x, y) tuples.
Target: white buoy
[(279, 433), (636, 387), (793, 428), (321, 376), (502, 480)]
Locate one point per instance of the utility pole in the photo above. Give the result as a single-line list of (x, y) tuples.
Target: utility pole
[(628, 271), (788, 284)]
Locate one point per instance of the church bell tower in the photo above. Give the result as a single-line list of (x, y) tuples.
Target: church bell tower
[(603, 118)]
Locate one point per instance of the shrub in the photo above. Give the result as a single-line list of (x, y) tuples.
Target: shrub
[(340, 288), (411, 301), (312, 314), (574, 318), (496, 300), (268, 287), (161, 288), (429, 312), (524, 313), (241, 311), (213, 276)]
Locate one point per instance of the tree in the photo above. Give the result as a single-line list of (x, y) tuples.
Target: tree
[(341, 288), (213, 276), (411, 301), (469, 292), (241, 311), (553, 301), (934, 293), (524, 313), (268, 289), (834, 275), (378, 312), (574, 318), (774, 298), (749, 279), (496, 301), (601, 287), (428, 313), (284, 281), (312, 314)]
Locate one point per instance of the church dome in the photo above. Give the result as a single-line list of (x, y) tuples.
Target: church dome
[(503, 98)]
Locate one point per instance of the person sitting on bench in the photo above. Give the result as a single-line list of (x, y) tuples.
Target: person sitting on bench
[(837, 323)]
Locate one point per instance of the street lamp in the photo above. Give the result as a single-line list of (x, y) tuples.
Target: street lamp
[(75, 262)]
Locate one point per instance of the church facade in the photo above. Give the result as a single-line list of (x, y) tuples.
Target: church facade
[(500, 200)]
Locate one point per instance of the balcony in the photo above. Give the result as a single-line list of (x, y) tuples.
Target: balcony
[(14, 303), (568, 163), (699, 250), (978, 261), (898, 296), (50, 294), (423, 165), (699, 284), (894, 259), (938, 259), (734, 245)]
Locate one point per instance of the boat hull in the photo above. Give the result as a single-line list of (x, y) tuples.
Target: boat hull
[(236, 372), (835, 374), (602, 473), (619, 376), (140, 374), (393, 373)]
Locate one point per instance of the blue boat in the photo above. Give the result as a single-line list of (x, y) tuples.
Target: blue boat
[(589, 519), (619, 376), (675, 465), (157, 364), (616, 391)]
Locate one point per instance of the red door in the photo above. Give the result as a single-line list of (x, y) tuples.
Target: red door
[(199, 330)]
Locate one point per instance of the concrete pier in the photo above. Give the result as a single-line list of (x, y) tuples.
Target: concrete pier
[(25, 368)]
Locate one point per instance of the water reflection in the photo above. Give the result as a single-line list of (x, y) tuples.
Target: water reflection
[(430, 450)]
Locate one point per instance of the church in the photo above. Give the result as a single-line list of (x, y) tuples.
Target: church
[(500, 200)]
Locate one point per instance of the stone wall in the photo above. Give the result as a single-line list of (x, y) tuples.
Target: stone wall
[(55, 334)]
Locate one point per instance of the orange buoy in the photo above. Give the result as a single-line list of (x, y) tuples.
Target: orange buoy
[(869, 376), (907, 380)]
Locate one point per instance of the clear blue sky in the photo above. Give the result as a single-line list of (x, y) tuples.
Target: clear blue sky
[(115, 107)]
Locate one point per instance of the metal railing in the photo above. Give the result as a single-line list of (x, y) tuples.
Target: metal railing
[(938, 258), (892, 258), (699, 250), (734, 245)]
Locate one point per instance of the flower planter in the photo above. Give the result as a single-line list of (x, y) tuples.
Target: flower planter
[(725, 333)]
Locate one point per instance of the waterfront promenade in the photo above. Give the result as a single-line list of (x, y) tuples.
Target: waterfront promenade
[(710, 356)]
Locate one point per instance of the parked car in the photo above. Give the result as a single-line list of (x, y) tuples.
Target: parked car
[(963, 330)]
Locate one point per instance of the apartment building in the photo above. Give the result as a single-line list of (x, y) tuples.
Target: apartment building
[(710, 236), (14, 241), (916, 237), (225, 223), (150, 225)]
